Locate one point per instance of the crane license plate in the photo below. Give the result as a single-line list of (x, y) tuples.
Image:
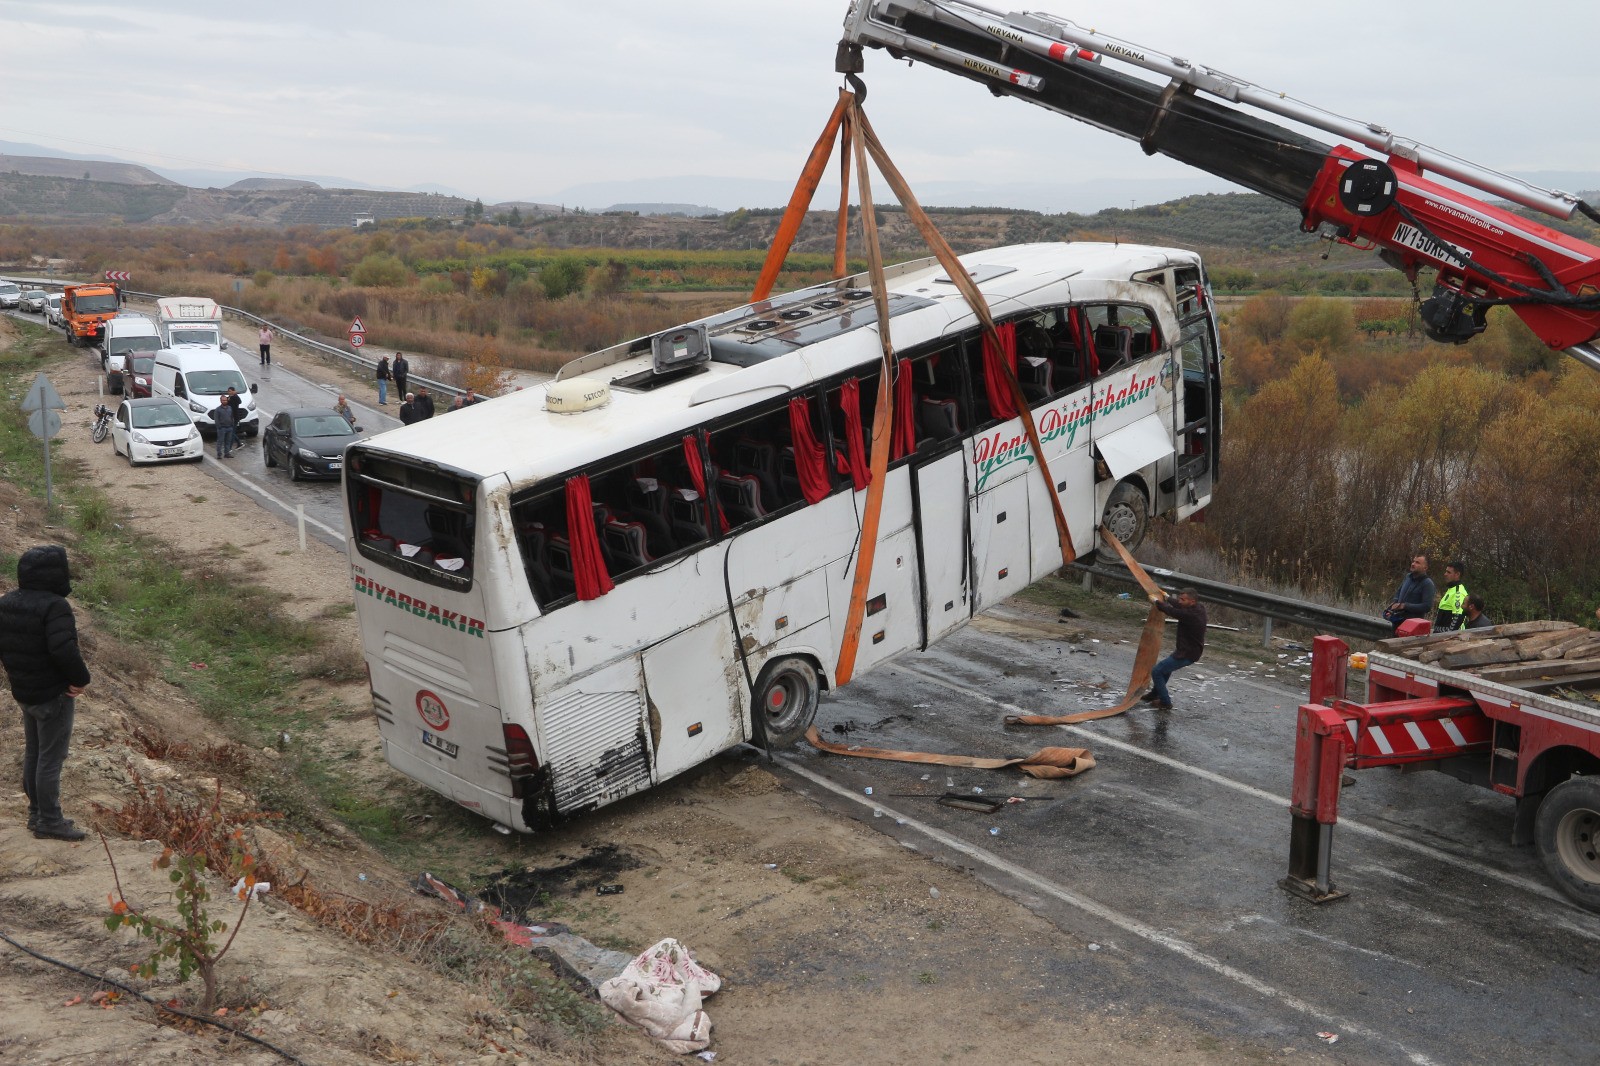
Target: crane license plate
[(1415, 239)]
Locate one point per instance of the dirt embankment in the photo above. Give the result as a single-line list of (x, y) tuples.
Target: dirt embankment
[(834, 944)]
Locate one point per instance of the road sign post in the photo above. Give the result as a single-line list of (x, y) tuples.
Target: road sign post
[(358, 333), (42, 403)]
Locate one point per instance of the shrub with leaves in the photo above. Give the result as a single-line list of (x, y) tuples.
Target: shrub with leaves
[(191, 941)]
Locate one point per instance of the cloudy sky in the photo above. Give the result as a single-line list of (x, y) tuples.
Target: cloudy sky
[(539, 99)]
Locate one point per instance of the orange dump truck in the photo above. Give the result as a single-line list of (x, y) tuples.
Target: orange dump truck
[(85, 310)]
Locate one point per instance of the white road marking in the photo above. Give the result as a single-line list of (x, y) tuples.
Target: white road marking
[(1476, 868), (1106, 914), (288, 508)]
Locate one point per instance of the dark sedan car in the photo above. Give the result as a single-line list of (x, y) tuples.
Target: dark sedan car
[(310, 441)]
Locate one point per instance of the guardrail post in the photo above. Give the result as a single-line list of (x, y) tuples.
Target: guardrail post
[(1088, 581), (1266, 631)]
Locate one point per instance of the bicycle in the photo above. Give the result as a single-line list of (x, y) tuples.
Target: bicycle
[(102, 423)]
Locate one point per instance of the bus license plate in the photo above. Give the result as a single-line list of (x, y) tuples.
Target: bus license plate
[(438, 743), (167, 453)]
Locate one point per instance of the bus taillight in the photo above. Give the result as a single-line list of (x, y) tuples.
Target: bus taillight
[(520, 758)]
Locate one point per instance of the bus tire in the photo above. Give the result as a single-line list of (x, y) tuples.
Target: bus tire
[(1127, 514), (785, 701), (1567, 833)]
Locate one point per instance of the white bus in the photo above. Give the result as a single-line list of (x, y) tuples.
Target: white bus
[(561, 609)]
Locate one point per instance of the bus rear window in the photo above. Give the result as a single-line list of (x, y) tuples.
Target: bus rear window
[(412, 519)]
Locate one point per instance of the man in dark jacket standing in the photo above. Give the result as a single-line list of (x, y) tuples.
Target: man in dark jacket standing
[(1191, 616), (424, 403), (1416, 595), (39, 648), (401, 370), (408, 410), (224, 417)]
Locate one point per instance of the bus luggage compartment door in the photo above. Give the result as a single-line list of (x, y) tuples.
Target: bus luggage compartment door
[(1000, 542), (943, 555), (697, 693)]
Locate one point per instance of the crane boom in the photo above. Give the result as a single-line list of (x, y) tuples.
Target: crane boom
[(1483, 254)]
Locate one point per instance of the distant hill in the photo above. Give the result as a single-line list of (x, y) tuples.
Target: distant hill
[(688, 210), (272, 184), (91, 169)]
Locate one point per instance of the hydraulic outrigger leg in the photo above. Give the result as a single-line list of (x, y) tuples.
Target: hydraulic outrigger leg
[(1321, 747)]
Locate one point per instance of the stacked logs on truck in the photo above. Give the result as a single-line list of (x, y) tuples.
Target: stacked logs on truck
[(1512, 653)]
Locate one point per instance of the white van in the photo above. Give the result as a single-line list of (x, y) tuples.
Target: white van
[(189, 322), (199, 378), (126, 334)]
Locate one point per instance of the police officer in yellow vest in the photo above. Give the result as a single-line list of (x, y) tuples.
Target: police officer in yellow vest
[(1452, 610)]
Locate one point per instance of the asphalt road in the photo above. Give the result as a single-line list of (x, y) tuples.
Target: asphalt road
[(1451, 948), (1164, 860)]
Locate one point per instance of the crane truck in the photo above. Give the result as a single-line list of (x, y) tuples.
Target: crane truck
[(1377, 195), (1531, 732)]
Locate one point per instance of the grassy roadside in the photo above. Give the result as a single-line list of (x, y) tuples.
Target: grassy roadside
[(262, 671)]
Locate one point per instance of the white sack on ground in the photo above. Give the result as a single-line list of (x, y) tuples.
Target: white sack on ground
[(660, 991)]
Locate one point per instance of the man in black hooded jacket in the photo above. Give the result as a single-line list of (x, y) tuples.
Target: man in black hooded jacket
[(39, 649)]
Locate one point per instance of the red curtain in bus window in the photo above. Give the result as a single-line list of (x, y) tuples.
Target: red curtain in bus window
[(697, 474), (810, 464), (856, 466), (904, 440), (1085, 343), (1001, 405), (588, 565)]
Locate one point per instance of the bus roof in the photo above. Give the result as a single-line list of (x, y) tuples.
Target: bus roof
[(514, 435)]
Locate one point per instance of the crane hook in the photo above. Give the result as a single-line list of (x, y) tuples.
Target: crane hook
[(858, 87)]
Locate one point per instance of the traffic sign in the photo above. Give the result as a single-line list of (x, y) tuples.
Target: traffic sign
[(357, 340), (118, 275), (357, 327), (44, 424), (42, 396)]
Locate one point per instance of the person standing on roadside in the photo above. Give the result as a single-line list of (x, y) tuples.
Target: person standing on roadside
[(1191, 616), (1452, 609), (264, 339), (424, 404), (1476, 619), (402, 370), (223, 417), (408, 410), (39, 648), (1415, 596), (383, 375)]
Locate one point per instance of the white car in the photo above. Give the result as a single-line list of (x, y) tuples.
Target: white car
[(155, 429), (10, 294), (52, 309)]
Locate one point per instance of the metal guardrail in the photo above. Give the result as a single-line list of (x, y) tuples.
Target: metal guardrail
[(301, 339), (1295, 612)]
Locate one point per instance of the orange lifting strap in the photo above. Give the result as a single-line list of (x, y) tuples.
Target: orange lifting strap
[(856, 132)]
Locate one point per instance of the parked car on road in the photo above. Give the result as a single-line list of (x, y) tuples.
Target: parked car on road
[(10, 294), (52, 309), (144, 367), (33, 301), (310, 441), (155, 429)]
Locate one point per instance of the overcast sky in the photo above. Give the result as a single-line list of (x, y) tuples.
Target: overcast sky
[(530, 99)]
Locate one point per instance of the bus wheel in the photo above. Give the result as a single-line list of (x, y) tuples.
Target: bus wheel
[(1127, 515), (786, 701), (1567, 833)]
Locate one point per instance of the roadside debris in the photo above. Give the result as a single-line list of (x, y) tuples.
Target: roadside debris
[(1046, 762), (661, 991), (1328, 1038)]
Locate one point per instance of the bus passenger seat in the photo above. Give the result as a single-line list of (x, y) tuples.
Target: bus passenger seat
[(758, 458), (536, 558), (740, 495), (647, 503), (940, 419), (561, 567), (629, 544), (1142, 345), (1035, 375), (788, 476), (378, 539), (1113, 345), (688, 511)]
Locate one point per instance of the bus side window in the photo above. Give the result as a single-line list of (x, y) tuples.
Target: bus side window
[(541, 527), (745, 459)]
